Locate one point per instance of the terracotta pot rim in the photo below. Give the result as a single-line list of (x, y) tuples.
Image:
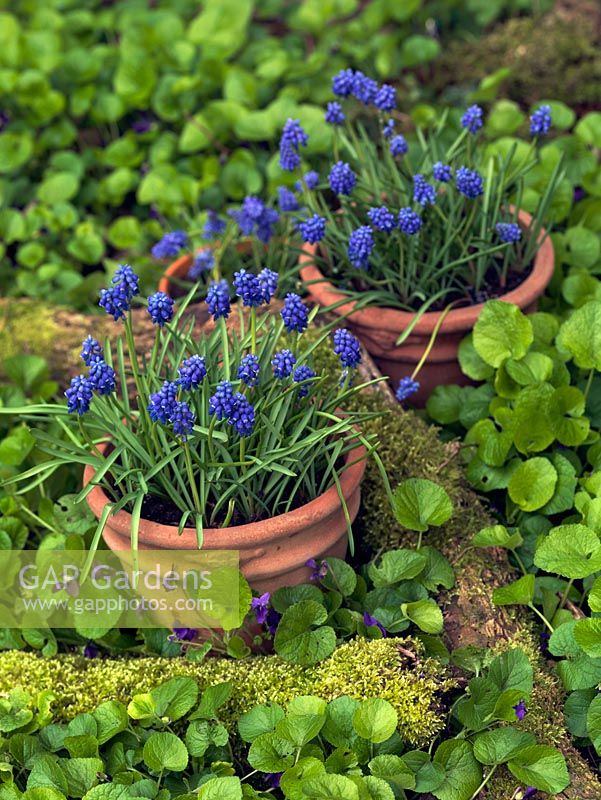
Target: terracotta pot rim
[(173, 271), (458, 319), (238, 536)]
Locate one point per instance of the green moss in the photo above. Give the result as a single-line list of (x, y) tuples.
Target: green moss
[(27, 327), (361, 669), (556, 56)]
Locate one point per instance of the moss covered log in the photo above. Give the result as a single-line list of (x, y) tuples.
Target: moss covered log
[(360, 669), (556, 56)]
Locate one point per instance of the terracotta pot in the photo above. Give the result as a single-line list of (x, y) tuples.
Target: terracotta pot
[(181, 266), (379, 328), (177, 269), (274, 552)]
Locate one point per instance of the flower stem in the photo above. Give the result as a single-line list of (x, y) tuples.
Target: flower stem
[(225, 346), (253, 330), (190, 471)]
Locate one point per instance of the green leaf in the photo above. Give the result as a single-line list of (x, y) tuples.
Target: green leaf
[(81, 774), (573, 551), (462, 772), (502, 331), (580, 336), (504, 118), (394, 770), (542, 767), (174, 698), (499, 745), (587, 633), (58, 188), (512, 670), (296, 640), (375, 720), (330, 787), (225, 788), (213, 697), (589, 129), (419, 503), (425, 614), (340, 577), (260, 719), (396, 566), (593, 722), (338, 728), (520, 592), (294, 778), (15, 151), (111, 719), (532, 368), (142, 706), (271, 753), (165, 751), (201, 734), (471, 363), (444, 404), (497, 536), (594, 598), (533, 483)]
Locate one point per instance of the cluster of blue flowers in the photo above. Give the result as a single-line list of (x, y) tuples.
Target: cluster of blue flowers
[(283, 363), (160, 308), (342, 179), (249, 369), (334, 114), (382, 219), (293, 138), (398, 145), (409, 221), (218, 299), (255, 290), (214, 226), (442, 172), (203, 262), (170, 245), (192, 372), (360, 246), (407, 387), (347, 348), (540, 121), (116, 300), (469, 182), (165, 407), (509, 232), (100, 378), (294, 313), (473, 119), (287, 200), (313, 229), (354, 83), (423, 192), (225, 404), (255, 217)]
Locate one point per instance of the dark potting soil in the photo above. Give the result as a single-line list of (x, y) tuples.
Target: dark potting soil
[(165, 512), (493, 290)]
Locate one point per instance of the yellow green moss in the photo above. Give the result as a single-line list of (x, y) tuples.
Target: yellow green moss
[(361, 669), (27, 327)]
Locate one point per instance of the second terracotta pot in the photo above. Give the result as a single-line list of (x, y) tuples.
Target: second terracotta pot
[(273, 552), (379, 328)]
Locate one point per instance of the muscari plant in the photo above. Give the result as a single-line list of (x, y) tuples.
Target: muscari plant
[(254, 235), (228, 427), (422, 222)]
